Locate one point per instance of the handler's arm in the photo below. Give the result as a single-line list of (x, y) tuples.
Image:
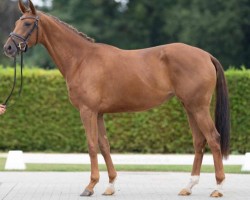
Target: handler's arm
[(2, 109)]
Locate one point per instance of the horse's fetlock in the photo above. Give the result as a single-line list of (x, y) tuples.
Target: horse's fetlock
[(112, 177), (95, 179), (220, 179)]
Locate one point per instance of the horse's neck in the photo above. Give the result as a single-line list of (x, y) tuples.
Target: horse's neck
[(67, 49)]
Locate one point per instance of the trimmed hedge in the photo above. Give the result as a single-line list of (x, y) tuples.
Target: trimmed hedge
[(44, 120)]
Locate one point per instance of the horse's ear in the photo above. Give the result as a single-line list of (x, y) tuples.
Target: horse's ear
[(22, 8), (32, 7)]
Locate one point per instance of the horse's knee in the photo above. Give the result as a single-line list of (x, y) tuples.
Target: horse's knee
[(104, 148), (92, 150)]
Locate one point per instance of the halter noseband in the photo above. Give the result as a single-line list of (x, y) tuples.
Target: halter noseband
[(23, 45)]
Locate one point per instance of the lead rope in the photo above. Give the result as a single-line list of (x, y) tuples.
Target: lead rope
[(14, 82), (21, 76)]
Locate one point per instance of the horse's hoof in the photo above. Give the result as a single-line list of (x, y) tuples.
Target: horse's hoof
[(110, 190), (87, 193), (216, 194), (184, 192)]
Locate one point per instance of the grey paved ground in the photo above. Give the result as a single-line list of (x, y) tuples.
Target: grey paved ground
[(130, 186)]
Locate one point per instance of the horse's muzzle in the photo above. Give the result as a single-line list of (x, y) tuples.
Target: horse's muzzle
[(10, 49)]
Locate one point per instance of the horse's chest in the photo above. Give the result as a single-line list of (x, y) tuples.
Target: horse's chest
[(76, 95)]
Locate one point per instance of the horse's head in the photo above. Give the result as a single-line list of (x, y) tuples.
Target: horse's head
[(25, 33)]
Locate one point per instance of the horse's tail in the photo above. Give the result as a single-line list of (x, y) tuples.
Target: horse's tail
[(222, 113)]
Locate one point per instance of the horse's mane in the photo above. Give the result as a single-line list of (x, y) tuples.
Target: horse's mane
[(71, 28)]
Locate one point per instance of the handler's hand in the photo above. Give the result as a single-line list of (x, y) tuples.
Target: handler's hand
[(2, 109)]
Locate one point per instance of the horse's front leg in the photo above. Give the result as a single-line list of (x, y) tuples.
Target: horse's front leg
[(105, 150), (89, 119)]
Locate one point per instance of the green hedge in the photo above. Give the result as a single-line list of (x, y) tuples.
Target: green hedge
[(44, 120)]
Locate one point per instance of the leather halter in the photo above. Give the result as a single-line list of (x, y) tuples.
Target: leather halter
[(23, 45)]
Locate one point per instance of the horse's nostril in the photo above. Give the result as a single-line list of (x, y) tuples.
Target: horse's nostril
[(9, 50), (9, 47)]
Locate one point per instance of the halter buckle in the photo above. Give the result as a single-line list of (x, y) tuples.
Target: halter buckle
[(22, 46)]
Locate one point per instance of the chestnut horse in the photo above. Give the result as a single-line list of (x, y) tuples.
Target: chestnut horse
[(104, 79)]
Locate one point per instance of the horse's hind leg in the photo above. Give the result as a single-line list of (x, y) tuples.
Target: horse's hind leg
[(204, 121), (105, 150), (199, 142)]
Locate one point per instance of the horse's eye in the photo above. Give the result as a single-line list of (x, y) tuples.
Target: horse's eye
[(27, 24)]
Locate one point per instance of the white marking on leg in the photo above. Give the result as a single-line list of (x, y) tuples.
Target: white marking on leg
[(110, 189), (111, 186), (219, 187), (194, 180)]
